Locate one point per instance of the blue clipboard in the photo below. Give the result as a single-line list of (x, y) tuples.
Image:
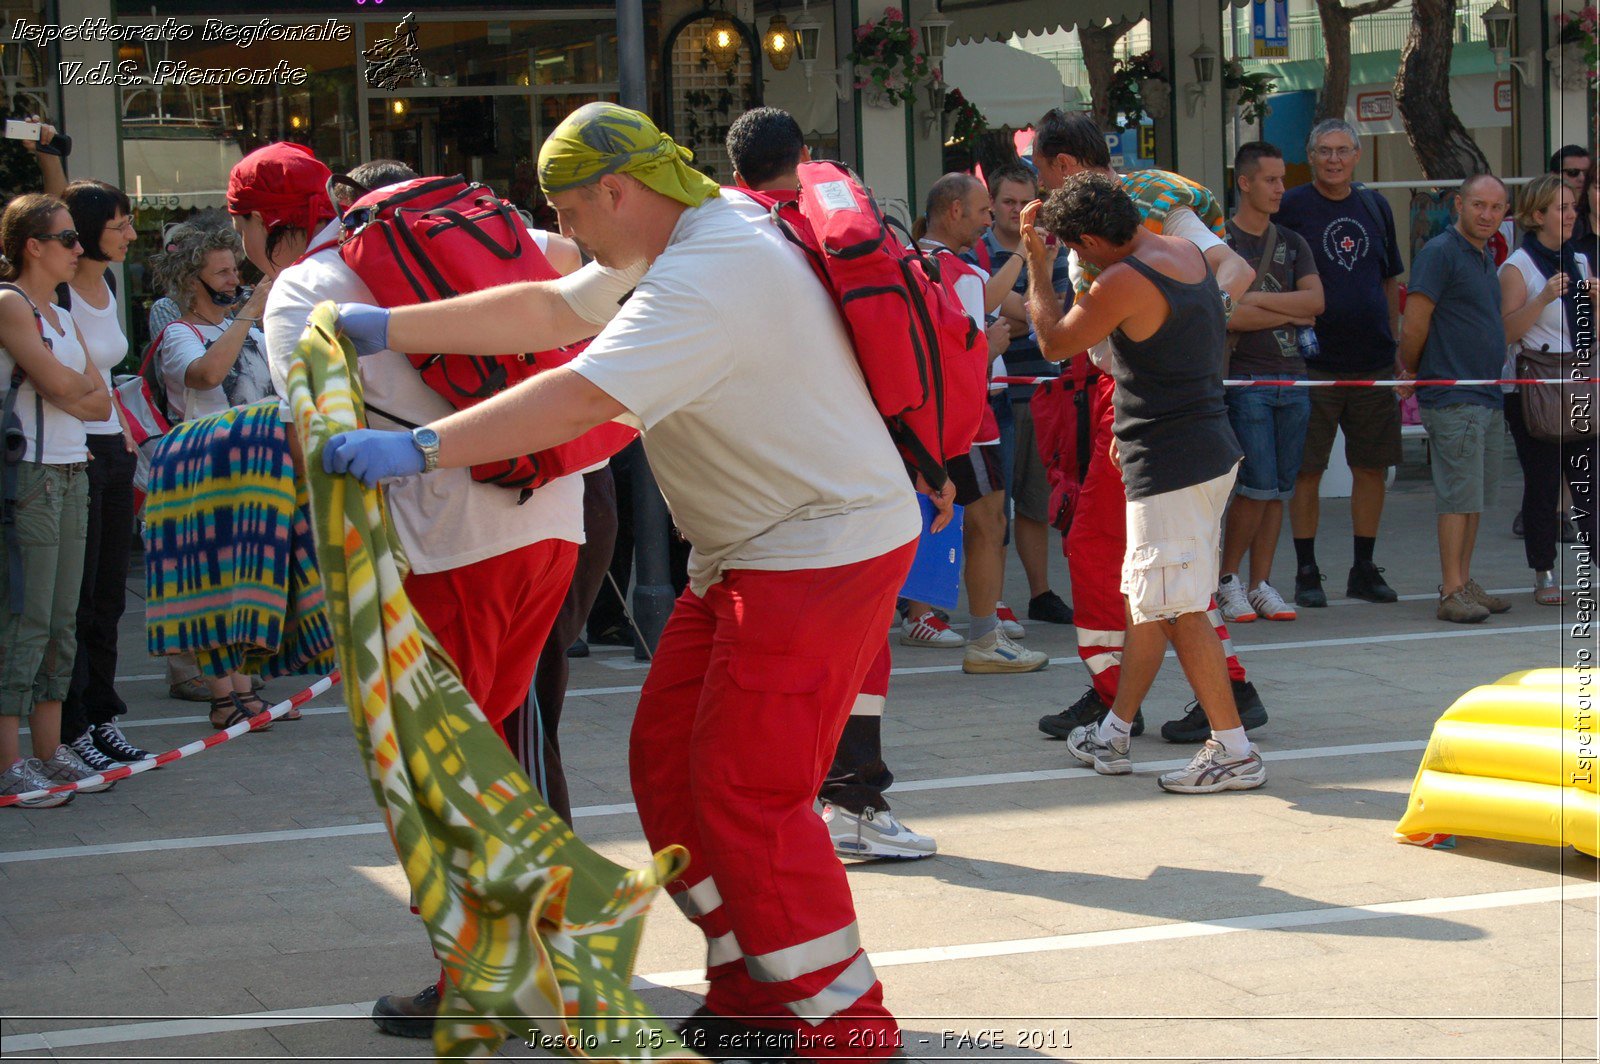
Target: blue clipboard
[(935, 576)]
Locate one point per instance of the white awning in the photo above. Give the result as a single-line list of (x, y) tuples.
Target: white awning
[(1008, 86), (977, 20), (166, 172)]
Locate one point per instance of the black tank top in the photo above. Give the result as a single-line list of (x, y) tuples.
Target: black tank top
[(1171, 422)]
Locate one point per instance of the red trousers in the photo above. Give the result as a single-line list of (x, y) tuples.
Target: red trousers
[(735, 730), (1095, 545), (492, 618)]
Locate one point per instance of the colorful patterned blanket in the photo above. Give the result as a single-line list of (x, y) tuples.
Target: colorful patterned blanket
[(536, 931), (230, 564)]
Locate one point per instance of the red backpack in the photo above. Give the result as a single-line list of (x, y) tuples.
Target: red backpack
[(437, 237), (1063, 429), (924, 360)]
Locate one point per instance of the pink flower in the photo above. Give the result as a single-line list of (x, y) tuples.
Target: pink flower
[(863, 32), (893, 14), (862, 83), (915, 40)]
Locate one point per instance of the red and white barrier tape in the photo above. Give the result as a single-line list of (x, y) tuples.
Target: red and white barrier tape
[(215, 739), (1429, 383)]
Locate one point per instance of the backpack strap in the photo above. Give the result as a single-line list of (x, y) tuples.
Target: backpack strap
[(151, 372)]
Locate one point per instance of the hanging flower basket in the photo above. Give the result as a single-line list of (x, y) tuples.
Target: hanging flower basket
[(1247, 92), (888, 60), (1139, 87), (1573, 59), (1157, 96)]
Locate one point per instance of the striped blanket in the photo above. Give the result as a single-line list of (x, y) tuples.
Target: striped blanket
[(230, 562), (536, 932)]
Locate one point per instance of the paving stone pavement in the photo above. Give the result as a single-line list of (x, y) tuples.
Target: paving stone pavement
[(1067, 916)]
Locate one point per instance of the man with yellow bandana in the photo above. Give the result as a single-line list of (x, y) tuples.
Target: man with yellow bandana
[(732, 359)]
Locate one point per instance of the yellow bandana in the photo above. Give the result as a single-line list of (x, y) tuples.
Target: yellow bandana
[(607, 138)]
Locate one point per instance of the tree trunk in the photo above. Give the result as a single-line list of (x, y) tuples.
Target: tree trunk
[(1336, 20), (1422, 91), (1099, 58)]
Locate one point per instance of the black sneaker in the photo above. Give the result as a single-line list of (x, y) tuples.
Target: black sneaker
[(578, 649), (111, 742), (1088, 709), (720, 1038), (90, 754), (1049, 608), (1193, 727), (1366, 582), (617, 635), (1308, 588), (407, 1017)]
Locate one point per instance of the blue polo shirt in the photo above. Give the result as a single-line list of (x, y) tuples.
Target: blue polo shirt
[(1466, 338)]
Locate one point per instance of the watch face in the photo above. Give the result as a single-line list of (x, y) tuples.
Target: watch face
[(426, 437)]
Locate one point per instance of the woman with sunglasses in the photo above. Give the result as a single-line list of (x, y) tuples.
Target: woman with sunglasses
[(55, 390), (104, 219)]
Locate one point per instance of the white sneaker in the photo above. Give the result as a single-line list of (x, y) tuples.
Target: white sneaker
[(1269, 605), (1108, 759), (1212, 771), (27, 775), (874, 833), (1008, 621), (996, 652), (1233, 602), (928, 631), (65, 766)]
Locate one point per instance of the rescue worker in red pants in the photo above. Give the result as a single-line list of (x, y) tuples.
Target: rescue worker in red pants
[(1066, 144), (759, 427), (488, 574)]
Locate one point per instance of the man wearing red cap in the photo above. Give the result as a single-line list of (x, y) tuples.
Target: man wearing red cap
[(487, 575)]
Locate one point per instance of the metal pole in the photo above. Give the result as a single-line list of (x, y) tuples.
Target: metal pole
[(652, 576)]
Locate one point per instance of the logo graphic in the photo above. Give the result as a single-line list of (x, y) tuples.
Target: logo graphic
[(1345, 242), (394, 59)]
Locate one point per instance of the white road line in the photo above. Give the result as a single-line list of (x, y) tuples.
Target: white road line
[(949, 783), (1168, 932)]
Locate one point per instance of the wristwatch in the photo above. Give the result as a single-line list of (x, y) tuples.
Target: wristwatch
[(427, 442), (1227, 305)]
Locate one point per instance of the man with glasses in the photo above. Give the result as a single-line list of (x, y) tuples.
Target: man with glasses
[(1351, 233)]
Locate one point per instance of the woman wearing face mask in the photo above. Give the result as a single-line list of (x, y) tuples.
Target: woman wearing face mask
[(103, 217), (45, 473), (214, 356)]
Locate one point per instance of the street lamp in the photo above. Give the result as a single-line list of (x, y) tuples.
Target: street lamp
[(1205, 64), (778, 42), (722, 41), (807, 45), (1497, 26)]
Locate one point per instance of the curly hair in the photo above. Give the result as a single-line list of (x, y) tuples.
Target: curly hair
[(1090, 204), (184, 250)]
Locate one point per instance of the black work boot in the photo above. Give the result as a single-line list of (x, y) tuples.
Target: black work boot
[(1087, 710), (1193, 727), (408, 1017)]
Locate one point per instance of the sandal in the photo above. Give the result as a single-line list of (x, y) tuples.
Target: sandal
[(235, 711), (262, 704), (1546, 591)]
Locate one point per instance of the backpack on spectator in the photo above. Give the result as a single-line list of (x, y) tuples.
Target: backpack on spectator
[(1063, 431), (925, 362), (437, 237)]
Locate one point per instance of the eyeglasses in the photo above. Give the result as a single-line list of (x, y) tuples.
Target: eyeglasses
[(1575, 171), (68, 237), (126, 226), (1334, 153)]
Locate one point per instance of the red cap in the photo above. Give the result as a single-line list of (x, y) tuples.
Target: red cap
[(285, 183)]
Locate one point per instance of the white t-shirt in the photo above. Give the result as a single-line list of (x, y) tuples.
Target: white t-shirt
[(1549, 329), (249, 381), (757, 421), (64, 438), (445, 519), (107, 346)]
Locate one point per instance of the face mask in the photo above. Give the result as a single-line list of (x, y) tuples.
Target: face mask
[(224, 299)]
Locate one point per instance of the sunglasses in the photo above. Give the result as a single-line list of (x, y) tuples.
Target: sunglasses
[(1575, 171), (68, 237)]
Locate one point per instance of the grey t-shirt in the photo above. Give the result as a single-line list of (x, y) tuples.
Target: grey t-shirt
[(1466, 337), (1271, 351)]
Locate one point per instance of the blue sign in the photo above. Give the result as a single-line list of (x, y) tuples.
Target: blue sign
[(1269, 28)]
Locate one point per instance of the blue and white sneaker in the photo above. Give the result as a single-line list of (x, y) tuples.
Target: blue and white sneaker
[(998, 652), (873, 833), (1108, 759)]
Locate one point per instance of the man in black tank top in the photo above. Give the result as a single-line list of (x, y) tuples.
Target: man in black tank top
[(1157, 301)]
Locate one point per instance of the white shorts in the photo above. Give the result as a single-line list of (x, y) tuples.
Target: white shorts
[(1174, 553)]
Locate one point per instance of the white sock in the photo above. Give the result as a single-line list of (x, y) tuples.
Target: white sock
[(1114, 730), (1234, 741)]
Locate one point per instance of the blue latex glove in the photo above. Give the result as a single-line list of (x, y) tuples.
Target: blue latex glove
[(371, 455), (367, 328)]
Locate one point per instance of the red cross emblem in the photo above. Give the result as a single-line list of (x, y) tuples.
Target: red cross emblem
[(1347, 244)]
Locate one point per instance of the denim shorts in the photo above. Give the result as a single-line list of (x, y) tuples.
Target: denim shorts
[(1468, 445), (1271, 426)]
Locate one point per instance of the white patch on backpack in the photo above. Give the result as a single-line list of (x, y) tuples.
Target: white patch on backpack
[(836, 196)]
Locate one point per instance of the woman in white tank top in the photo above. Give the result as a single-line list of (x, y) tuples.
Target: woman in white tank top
[(45, 473), (1539, 284)]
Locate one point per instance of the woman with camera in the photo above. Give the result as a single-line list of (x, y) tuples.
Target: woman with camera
[(51, 390)]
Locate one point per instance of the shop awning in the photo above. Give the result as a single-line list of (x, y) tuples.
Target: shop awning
[(977, 20), (167, 172), (1008, 86)]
